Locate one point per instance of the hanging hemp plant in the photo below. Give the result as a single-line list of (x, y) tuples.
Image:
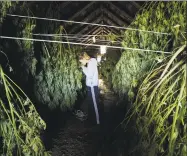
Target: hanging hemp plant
[(5, 6), (134, 65), (107, 66), (20, 124), (159, 109), (59, 82), (24, 49), (50, 69)]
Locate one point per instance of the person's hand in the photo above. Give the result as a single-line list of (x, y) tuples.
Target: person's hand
[(83, 61)]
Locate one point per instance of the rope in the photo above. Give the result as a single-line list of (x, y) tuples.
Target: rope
[(75, 43), (86, 23), (73, 38), (71, 35)]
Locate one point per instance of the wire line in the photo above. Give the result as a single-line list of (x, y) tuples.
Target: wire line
[(75, 43), (72, 37), (86, 23)]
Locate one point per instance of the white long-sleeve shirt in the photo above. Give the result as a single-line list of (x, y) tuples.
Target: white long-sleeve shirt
[(91, 73)]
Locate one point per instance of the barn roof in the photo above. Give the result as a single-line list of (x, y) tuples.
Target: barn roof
[(115, 13)]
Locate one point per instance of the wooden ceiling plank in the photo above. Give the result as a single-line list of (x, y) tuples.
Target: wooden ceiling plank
[(88, 27), (65, 4), (86, 19), (118, 21), (135, 4), (114, 31), (126, 15), (81, 11), (92, 32), (110, 21)]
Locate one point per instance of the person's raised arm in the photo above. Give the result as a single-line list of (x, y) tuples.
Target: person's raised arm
[(85, 70)]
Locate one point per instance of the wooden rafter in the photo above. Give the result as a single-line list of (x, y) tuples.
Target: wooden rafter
[(65, 4), (98, 32), (90, 31), (118, 21), (97, 37), (113, 30), (85, 19), (135, 4), (99, 29), (107, 31), (80, 12), (89, 27), (109, 13), (126, 15), (95, 31), (109, 21)]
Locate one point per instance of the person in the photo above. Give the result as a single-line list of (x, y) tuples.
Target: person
[(92, 82)]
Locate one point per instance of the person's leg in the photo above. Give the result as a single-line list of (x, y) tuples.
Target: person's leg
[(99, 105), (94, 93), (99, 127), (91, 114)]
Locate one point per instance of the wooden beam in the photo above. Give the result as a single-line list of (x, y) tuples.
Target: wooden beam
[(118, 21), (112, 21), (105, 31), (81, 11), (108, 22), (88, 42), (96, 30), (89, 27), (65, 4), (99, 29), (86, 19), (135, 4), (121, 12), (105, 28), (92, 32), (98, 33), (97, 20)]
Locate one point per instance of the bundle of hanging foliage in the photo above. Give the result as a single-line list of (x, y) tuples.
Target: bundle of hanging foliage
[(160, 108), (50, 70), (59, 81), (107, 66), (20, 124), (28, 61), (6, 6), (167, 17), (23, 59)]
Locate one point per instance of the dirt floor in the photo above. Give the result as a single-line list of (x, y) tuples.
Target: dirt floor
[(77, 138)]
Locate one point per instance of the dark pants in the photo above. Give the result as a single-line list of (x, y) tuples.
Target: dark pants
[(93, 106), (95, 116)]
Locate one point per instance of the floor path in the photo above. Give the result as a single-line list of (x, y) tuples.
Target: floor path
[(78, 139)]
